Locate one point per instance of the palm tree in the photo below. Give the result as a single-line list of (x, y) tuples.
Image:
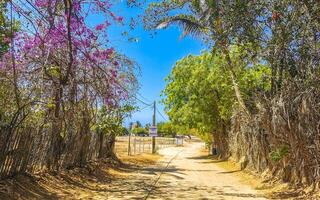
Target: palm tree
[(205, 20), (138, 124), (130, 125)]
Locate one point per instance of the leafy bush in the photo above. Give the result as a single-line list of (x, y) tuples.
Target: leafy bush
[(166, 129), (140, 131), (279, 153)]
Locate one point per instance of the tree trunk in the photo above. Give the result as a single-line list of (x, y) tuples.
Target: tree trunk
[(234, 82)]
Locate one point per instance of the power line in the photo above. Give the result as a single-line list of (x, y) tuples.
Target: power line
[(161, 115), (148, 106), (144, 98)]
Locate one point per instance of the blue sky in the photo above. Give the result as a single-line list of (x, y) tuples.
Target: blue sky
[(156, 57)]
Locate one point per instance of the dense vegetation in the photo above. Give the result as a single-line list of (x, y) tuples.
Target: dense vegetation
[(256, 92), (200, 95), (4, 29), (64, 91)]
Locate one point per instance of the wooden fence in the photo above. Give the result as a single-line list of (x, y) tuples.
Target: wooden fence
[(140, 145), (29, 149)]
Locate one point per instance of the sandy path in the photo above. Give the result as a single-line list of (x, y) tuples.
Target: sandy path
[(182, 173), (191, 175)]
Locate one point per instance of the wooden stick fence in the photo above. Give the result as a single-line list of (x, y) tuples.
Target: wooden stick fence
[(136, 145)]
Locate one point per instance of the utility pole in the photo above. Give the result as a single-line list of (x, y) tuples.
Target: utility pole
[(154, 114), (154, 125)]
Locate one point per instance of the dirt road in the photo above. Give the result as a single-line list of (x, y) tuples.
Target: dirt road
[(182, 173), (188, 174)]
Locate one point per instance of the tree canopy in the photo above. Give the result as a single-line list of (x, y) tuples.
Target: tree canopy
[(199, 92)]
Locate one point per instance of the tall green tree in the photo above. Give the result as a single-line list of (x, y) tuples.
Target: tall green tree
[(199, 93), (166, 129), (283, 33)]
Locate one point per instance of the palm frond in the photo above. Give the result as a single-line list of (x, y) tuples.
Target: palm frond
[(189, 24)]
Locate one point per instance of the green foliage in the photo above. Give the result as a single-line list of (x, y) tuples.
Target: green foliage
[(147, 126), (123, 131), (6, 107), (199, 92), (279, 153), (54, 71), (284, 34), (110, 121), (5, 28), (166, 129), (140, 131), (138, 124)]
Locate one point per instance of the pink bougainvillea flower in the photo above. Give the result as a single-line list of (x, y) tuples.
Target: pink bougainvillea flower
[(54, 41), (100, 27)]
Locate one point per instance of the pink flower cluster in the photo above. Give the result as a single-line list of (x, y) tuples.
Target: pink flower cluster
[(50, 41)]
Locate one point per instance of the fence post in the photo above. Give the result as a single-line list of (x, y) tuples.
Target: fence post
[(143, 145), (129, 145), (139, 145), (134, 145), (153, 144)]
